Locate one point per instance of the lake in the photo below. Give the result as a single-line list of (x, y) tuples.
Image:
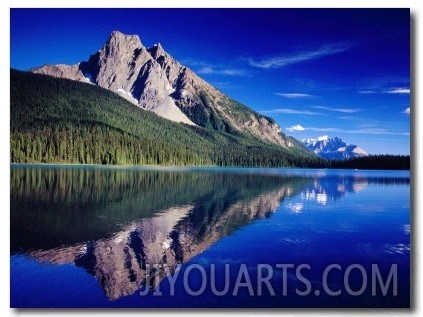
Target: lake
[(93, 236)]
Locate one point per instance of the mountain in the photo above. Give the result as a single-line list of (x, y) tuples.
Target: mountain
[(56, 120), (333, 148), (153, 80)]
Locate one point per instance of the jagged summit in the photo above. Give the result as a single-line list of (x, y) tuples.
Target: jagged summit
[(333, 148), (157, 50), (152, 79), (119, 37)]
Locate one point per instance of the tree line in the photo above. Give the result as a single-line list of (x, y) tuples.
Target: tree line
[(55, 120), (375, 162), (62, 121)]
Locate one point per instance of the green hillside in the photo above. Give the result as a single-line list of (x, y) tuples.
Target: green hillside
[(56, 120)]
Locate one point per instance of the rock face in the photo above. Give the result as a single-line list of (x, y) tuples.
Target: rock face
[(333, 148), (172, 237), (153, 80)]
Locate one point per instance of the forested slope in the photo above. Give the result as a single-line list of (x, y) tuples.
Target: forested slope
[(56, 120)]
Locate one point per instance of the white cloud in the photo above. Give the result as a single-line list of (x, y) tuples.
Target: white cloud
[(375, 131), (294, 95), (407, 111), (296, 127), (343, 110), (207, 70), (298, 57), (398, 91), (324, 129), (291, 111), (347, 118)]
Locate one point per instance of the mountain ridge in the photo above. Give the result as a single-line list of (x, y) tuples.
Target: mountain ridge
[(56, 120), (153, 80), (333, 148)]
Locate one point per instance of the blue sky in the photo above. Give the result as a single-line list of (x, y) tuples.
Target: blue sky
[(336, 72)]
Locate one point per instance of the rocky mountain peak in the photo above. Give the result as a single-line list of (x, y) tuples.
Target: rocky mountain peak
[(121, 50), (156, 51), (118, 39), (153, 80)]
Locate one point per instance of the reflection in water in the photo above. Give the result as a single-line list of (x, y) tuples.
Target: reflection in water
[(114, 221), (333, 188)]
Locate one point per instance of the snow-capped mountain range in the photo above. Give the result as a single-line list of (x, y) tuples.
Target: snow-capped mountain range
[(333, 148)]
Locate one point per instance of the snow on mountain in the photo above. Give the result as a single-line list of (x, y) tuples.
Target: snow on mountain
[(153, 80), (333, 148)]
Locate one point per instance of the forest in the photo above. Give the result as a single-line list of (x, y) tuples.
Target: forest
[(55, 120), (375, 162)]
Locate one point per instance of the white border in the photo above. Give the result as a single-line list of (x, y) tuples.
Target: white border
[(5, 6)]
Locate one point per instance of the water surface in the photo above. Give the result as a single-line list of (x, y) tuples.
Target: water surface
[(85, 236)]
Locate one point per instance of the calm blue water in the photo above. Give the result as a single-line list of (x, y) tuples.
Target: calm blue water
[(88, 236)]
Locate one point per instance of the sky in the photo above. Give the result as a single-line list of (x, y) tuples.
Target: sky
[(335, 72)]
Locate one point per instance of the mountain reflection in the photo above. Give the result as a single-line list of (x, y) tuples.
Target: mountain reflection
[(326, 189), (333, 188), (114, 221)]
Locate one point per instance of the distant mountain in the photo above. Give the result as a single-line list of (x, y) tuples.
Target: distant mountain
[(333, 148), (153, 80)]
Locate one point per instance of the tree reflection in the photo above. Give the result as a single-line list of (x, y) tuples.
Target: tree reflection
[(114, 221)]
